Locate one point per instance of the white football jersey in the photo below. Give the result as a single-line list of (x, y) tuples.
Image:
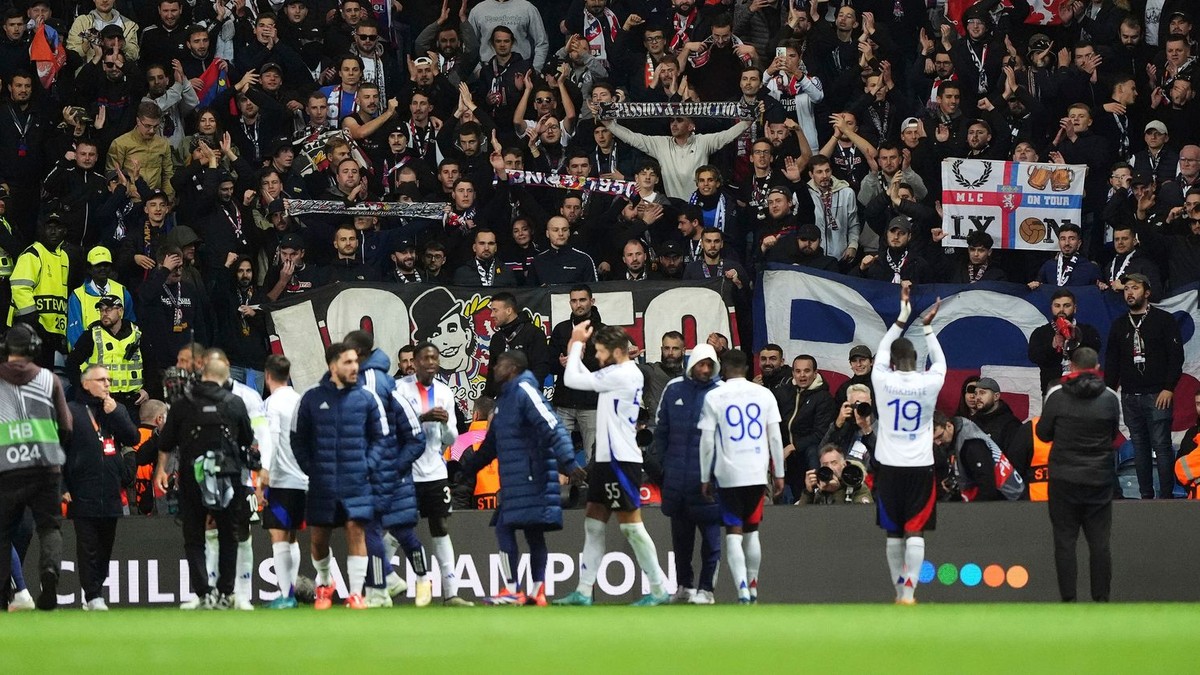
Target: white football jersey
[(432, 464), (281, 463), (619, 389), (740, 421), (905, 401)]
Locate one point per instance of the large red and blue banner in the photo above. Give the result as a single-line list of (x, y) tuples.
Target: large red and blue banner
[(983, 328)]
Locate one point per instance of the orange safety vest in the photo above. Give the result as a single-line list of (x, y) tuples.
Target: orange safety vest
[(1039, 468), (143, 490), (487, 481)]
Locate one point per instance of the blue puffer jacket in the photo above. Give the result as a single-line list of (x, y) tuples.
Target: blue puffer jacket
[(336, 431), (677, 442), (391, 468), (533, 447)]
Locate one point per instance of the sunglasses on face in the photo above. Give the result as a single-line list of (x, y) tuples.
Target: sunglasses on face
[(543, 99), (367, 37)]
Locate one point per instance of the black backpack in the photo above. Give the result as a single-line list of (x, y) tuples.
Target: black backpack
[(211, 432)]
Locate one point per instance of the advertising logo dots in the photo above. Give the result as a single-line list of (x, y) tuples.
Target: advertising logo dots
[(972, 575)]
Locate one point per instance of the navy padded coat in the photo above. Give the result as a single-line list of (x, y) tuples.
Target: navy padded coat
[(391, 469), (677, 443), (336, 431), (533, 447)]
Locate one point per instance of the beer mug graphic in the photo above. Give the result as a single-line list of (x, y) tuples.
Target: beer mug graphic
[(1060, 180), (1039, 176)]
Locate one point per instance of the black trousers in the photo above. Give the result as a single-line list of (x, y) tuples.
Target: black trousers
[(38, 490), (93, 550), (1073, 506), (232, 525)]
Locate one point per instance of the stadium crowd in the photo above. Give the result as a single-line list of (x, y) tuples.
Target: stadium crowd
[(171, 167)]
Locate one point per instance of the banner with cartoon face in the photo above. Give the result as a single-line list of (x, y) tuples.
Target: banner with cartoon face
[(458, 320)]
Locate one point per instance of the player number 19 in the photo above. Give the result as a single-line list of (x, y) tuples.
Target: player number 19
[(906, 412)]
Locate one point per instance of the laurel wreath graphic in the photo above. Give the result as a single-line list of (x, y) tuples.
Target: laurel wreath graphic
[(962, 181)]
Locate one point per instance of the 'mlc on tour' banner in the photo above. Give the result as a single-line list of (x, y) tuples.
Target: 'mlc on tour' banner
[(458, 320), (1022, 205)]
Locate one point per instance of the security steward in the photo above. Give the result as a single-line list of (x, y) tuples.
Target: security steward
[(116, 344), (1080, 417), (81, 305), (39, 289), (36, 424)]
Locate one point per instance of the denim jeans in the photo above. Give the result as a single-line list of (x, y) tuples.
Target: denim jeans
[(247, 376), (1150, 431)]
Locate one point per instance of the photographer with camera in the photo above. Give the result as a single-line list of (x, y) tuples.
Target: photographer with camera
[(837, 481), (853, 431), (978, 471), (210, 428)]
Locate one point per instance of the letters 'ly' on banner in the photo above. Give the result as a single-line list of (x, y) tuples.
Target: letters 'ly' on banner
[(1022, 205)]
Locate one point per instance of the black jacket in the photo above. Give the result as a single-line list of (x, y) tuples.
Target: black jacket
[(1050, 361), (1080, 418), (522, 336), (1000, 423), (561, 266), (560, 337), (806, 414), (96, 479), (177, 431), (1163, 354)]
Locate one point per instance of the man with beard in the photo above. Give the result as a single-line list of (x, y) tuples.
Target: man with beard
[(516, 332), (1051, 344), (380, 67), (198, 56), (771, 372), (81, 192), (781, 219), (114, 342), (933, 67), (978, 57), (803, 247), (861, 363), (979, 142), (401, 266), (241, 324), (875, 187), (367, 119), (21, 155), (456, 46), (349, 266), (173, 312), (1079, 144), (657, 375), (166, 40), (681, 153), (1068, 268), (1145, 359), (1128, 259), (946, 125), (994, 417), (899, 263), (422, 132), (762, 177), (293, 274), (634, 264), (808, 410), (712, 264), (836, 212), (229, 228), (483, 269), (81, 305), (576, 408), (670, 260)]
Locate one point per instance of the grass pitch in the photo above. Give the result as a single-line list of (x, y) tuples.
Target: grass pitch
[(1001, 638)]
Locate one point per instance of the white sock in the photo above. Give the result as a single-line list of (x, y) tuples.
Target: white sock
[(508, 575), (322, 566), (646, 553), (285, 568), (593, 553), (753, 560), (444, 550), (212, 551), (242, 583), (895, 558), (736, 558), (295, 548), (356, 570), (914, 557)]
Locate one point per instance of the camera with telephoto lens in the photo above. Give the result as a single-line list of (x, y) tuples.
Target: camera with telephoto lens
[(853, 476), (864, 408), (825, 475), (81, 116)]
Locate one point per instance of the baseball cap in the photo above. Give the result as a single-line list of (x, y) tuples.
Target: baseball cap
[(279, 143), (987, 383), (1039, 42), (779, 189), (112, 31), (270, 65), (861, 351), (403, 245), (1142, 178), (292, 241), (899, 223), (1155, 125), (98, 255), (276, 206), (670, 248), (909, 122), (1181, 14), (1136, 277), (109, 301), (808, 232)]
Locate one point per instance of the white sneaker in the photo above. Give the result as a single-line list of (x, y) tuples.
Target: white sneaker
[(95, 605), (395, 585), (197, 602), (683, 595), (703, 597), (378, 597), (242, 604), (22, 601), (424, 593)]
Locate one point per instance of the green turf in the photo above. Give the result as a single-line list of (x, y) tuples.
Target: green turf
[(1009, 638)]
